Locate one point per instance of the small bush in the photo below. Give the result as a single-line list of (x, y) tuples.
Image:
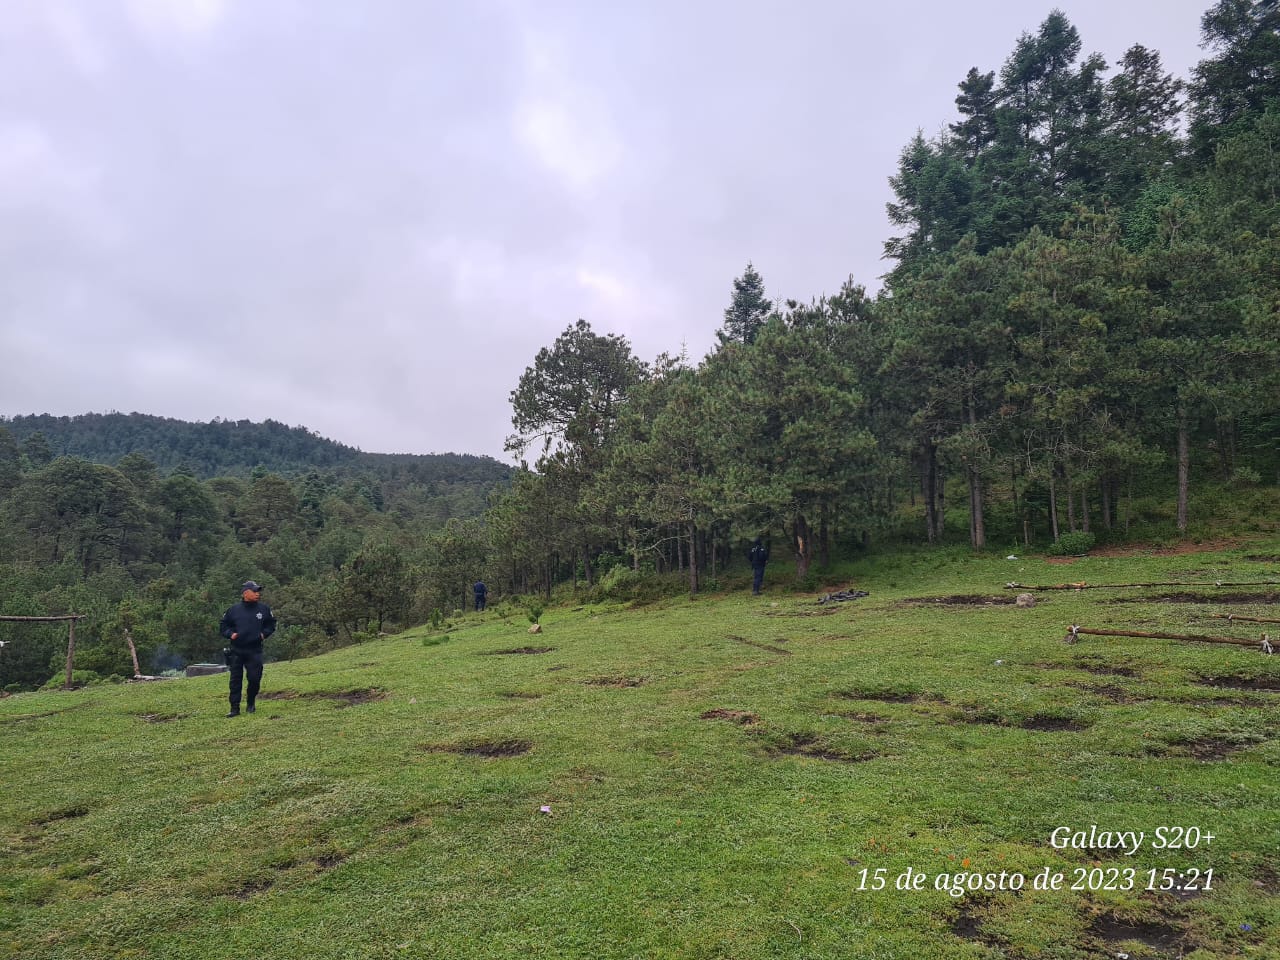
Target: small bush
[(1073, 544), (535, 611)]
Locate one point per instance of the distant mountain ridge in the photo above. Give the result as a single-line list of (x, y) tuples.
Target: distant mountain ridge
[(236, 447)]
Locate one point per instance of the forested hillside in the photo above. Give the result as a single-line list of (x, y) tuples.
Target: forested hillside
[(232, 447), (1081, 324), (346, 541)]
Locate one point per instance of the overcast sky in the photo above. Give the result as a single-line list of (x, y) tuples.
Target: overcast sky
[(367, 217)]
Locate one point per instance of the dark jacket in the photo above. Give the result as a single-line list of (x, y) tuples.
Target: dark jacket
[(479, 588), (250, 622), (758, 555)]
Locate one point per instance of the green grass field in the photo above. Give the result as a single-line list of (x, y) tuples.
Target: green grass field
[(719, 774)]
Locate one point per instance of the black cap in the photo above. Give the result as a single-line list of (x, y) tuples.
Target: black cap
[(251, 585)]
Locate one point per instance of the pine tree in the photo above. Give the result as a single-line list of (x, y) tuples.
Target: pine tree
[(748, 310)]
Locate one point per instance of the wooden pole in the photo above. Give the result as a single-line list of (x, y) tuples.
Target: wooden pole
[(1081, 585), (71, 651), (1074, 631)]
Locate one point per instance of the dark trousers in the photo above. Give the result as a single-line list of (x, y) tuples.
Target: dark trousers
[(757, 578), (244, 663), (479, 601)]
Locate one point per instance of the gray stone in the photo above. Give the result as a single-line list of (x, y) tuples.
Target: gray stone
[(204, 669), (1025, 600)]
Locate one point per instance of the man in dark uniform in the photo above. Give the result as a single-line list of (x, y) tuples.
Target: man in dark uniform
[(481, 592), (759, 556), (246, 625)]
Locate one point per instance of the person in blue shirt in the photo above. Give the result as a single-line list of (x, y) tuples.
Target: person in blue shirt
[(246, 625), (481, 592)]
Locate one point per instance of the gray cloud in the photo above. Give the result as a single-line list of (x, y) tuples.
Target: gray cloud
[(367, 218)]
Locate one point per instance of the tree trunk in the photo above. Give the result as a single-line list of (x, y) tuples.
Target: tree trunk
[(977, 529), (940, 515), (824, 540), (693, 559), (1184, 468), (1084, 509), (928, 485), (1106, 504), (1053, 504), (804, 546)]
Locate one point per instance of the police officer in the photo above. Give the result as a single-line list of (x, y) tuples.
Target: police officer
[(481, 593), (758, 555), (246, 625)]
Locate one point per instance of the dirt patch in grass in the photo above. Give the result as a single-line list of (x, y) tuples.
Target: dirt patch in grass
[(959, 600), (279, 695), (161, 717), (860, 717), (251, 888), (1158, 934), (518, 651), (744, 717), (616, 681), (1207, 749), (328, 861), (66, 813), (1264, 557), (348, 698), (1176, 550), (1041, 722), (807, 745), (1098, 667), (520, 695), (1253, 684), (759, 646), (1109, 691), (483, 748), (818, 612), (884, 694), (1190, 597)]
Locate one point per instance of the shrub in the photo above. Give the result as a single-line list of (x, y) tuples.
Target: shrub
[(535, 611), (1073, 544)]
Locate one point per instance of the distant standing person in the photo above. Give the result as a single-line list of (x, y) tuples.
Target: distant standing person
[(481, 592), (246, 625), (759, 556)]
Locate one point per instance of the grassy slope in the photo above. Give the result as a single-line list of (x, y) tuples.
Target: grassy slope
[(314, 830)]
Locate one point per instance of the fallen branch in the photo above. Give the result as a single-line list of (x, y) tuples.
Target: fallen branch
[(1073, 633), (1081, 585)]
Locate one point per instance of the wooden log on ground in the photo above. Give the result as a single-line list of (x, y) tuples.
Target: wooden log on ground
[(1074, 631), (1082, 585)]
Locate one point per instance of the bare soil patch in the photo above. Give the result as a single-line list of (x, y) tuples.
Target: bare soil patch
[(1254, 684), (1094, 666), (251, 888), (1176, 550), (959, 600), (1157, 934), (520, 695), (859, 716), (759, 646), (1270, 597), (67, 813), (883, 695), (518, 651), (744, 717), (348, 698), (1110, 691), (1042, 722), (616, 681), (807, 745), (1207, 749), (161, 717), (483, 748)]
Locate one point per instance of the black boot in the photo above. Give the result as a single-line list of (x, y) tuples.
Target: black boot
[(250, 708), (235, 711)]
